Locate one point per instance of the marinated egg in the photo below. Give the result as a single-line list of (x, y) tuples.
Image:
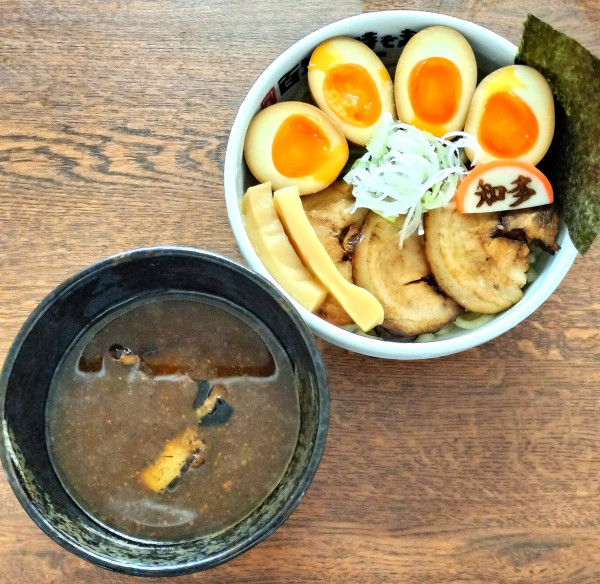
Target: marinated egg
[(295, 144), (435, 80), (512, 115), (351, 85)]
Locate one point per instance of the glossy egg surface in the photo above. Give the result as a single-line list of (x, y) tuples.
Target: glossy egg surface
[(350, 84), (512, 115), (435, 80), (295, 144)]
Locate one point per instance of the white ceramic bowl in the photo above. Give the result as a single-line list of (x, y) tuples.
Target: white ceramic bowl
[(285, 79)]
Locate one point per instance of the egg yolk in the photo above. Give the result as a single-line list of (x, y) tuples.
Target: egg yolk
[(300, 147), (352, 94), (508, 127), (434, 90)]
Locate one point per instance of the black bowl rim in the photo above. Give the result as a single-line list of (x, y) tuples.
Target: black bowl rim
[(244, 544)]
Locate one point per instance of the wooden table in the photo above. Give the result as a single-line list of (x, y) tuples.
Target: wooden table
[(481, 467)]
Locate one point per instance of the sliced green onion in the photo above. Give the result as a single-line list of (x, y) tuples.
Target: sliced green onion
[(407, 171)]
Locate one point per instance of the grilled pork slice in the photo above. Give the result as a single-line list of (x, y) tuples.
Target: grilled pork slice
[(538, 226), (481, 272), (337, 229), (399, 277)]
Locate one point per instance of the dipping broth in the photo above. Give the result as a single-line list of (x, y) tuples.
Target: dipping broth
[(170, 375)]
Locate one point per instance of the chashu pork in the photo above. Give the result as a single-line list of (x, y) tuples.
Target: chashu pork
[(399, 277), (481, 272), (337, 229), (538, 225)]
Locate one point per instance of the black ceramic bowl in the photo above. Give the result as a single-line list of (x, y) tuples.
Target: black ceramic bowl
[(47, 335)]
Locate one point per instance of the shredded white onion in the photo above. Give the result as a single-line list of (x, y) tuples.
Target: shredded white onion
[(407, 171)]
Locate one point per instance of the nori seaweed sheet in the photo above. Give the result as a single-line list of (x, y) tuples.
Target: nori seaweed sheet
[(573, 161)]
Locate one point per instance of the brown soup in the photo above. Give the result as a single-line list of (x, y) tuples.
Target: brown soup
[(173, 418)]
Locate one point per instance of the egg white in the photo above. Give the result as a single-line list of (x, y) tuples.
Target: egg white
[(531, 86), (259, 143), (436, 41), (345, 50)]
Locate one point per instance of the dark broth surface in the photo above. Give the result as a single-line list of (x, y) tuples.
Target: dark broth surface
[(107, 421)]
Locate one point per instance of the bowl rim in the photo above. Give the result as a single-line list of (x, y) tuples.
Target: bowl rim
[(245, 543), (375, 347)]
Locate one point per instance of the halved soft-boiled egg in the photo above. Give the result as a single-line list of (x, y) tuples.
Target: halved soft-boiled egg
[(512, 115), (295, 144), (435, 80), (349, 83)]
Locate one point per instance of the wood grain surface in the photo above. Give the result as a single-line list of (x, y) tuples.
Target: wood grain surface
[(481, 467)]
